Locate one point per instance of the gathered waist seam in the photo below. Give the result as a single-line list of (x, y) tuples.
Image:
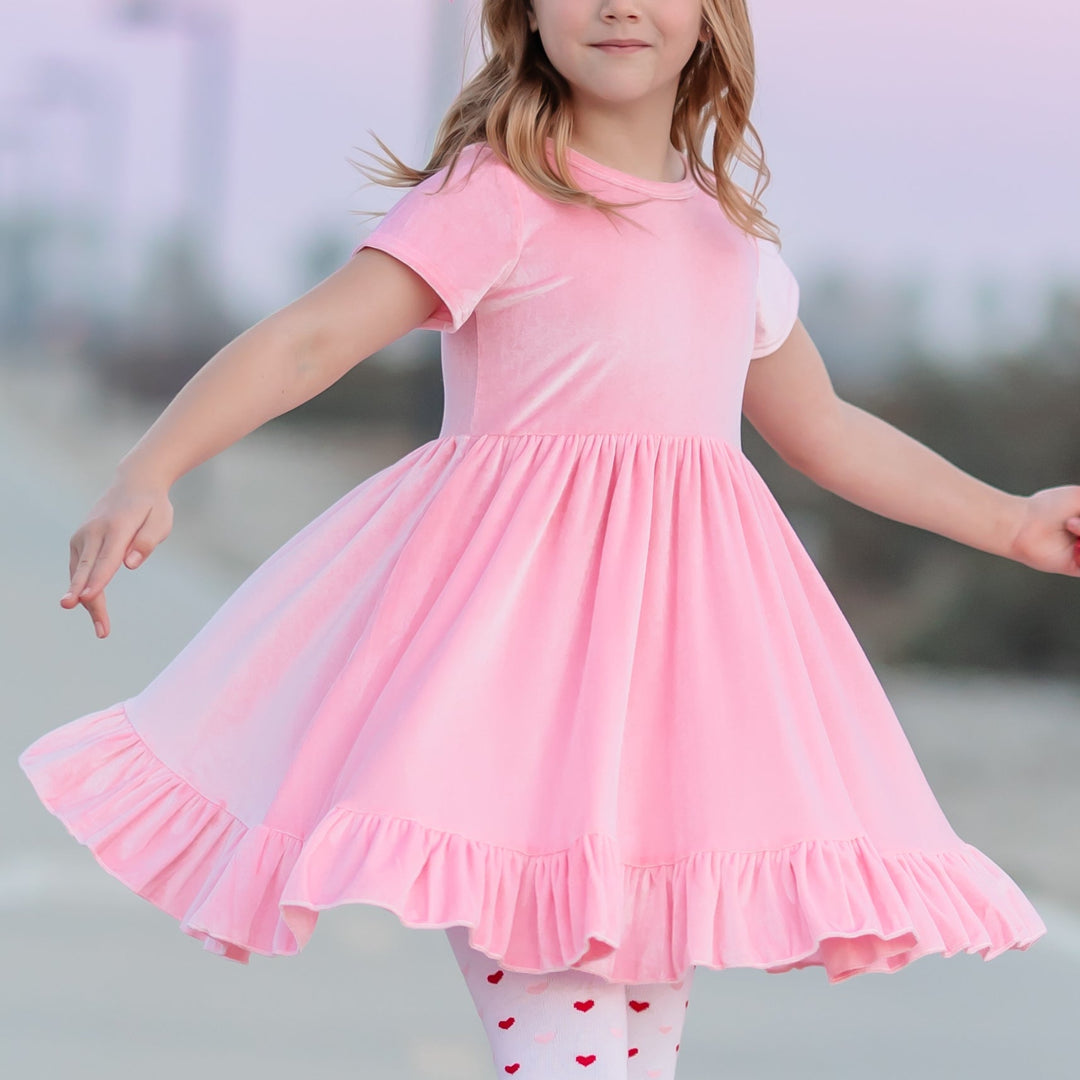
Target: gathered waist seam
[(586, 435)]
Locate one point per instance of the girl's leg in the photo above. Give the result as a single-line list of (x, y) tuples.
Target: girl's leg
[(554, 1026), (655, 1013)]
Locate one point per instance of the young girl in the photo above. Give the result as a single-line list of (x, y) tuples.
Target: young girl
[(562, 681)]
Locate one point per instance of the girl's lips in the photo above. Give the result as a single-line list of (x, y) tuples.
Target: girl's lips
[(620, 48)]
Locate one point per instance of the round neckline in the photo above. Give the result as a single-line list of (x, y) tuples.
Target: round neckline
[(660, 189)]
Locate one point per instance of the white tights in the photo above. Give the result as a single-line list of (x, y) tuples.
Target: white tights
[(572, 1023)]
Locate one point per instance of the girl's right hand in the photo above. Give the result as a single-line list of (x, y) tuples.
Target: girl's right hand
[(124, 525)]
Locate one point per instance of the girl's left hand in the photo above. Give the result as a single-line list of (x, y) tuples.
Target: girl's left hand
[(1049, 534)]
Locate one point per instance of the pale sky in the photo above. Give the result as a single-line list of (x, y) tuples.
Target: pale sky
[(931, 135)]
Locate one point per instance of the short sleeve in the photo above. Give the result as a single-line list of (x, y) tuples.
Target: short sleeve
[(777, 300), (463, 240)]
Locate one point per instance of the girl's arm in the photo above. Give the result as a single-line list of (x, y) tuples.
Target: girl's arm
[(276, 365), (790, 400), (281, 362)]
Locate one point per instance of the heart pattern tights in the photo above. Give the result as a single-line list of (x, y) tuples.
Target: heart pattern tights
[(563, 1024)]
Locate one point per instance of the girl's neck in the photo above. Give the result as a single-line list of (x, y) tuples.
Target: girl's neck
[(646, 156)]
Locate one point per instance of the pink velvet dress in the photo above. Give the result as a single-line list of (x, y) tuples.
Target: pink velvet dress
[(563, 674)]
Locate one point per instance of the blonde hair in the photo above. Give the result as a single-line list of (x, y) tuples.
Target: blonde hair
[(518, 100)]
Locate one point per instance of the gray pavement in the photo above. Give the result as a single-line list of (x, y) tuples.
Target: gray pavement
[(98, 983)]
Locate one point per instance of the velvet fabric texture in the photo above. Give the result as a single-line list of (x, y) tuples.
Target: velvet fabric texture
[(564, 674)]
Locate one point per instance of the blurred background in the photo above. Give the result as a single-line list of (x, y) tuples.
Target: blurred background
[(171, 171)]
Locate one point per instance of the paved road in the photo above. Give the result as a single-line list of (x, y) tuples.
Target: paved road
[(98, 983)]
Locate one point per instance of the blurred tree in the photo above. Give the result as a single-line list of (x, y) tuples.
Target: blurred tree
[(399, 386), (1062, 339), (24, 238), (178, 322)]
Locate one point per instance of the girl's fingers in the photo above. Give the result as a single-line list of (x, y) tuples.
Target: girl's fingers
[(84, 558), (153, 531), (105, 565), (99, 614), (124, 527)]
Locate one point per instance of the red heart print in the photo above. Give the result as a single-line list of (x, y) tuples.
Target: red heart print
[(496, 977), (638, 1006), (632, 1051), (581, 1059), (676, 1048), (584, 1006), (507, 1023), (512, 1068)]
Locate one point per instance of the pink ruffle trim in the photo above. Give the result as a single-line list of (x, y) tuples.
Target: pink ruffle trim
[(838, 904)]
